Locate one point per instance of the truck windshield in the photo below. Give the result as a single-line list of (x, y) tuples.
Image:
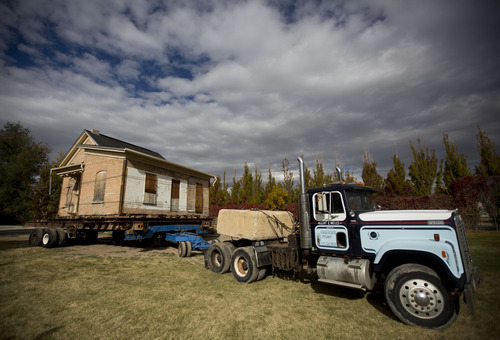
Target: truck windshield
[(360, 200)]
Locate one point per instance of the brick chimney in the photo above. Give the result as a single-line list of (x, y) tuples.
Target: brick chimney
[(94, 131)]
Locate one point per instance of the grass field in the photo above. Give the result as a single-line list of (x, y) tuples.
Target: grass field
[(112, 292)]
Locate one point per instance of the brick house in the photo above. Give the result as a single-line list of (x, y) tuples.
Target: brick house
[(104, 176)]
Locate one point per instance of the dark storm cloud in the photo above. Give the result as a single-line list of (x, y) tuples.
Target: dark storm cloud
[(215, 84)]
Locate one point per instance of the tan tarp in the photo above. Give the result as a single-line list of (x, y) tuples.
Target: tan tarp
[(255, 225)]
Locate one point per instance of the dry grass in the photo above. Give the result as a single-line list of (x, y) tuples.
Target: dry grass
[(69, 292)]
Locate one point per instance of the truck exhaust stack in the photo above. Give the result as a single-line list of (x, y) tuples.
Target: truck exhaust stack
[(305, 227)]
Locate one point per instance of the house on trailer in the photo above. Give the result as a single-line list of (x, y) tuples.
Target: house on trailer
[(104, 176)]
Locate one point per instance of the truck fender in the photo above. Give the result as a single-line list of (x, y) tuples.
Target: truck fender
[(445, 252)]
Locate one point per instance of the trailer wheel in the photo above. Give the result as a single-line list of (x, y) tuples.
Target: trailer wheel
[(35, 239), (189, 248), (417, 297), (219, 257), (181, 248), (61, 236), (49, 238), (244, 265)]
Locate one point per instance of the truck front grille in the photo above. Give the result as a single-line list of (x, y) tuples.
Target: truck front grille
[(464, 246)]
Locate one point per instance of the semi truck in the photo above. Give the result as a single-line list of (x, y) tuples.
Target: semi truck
[(421, 257)]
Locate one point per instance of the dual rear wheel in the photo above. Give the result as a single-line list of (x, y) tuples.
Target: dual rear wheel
[(47, 238), (223, 256)]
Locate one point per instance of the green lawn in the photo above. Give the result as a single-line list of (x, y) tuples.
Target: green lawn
[(59, 294)]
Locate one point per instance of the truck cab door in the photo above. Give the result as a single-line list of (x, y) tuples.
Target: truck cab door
[(330, 233)]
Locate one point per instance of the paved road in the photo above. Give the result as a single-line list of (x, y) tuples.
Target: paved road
[(8, 230)]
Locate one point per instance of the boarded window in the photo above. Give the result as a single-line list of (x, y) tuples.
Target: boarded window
[(150, 189), (174, 206), (100, 187), (72, 194), (199, 198)]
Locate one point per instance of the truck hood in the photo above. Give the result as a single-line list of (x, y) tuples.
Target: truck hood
[(406, 215)]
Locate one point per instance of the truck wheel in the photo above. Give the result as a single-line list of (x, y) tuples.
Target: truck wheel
[(417, 297), (36, 237), (181, 249), (189, 248), (61, 236), (219, 257), (244, 265), (49, 238)]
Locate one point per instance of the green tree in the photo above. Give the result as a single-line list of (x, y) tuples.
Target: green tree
[(319, 176), (21, 160), (490, 161), (369, 174), (47, 191), (236, 190), (277, 198), (246, 185), (423, 169), (453, 166), (258, 190), (396, 184), (271, 182), (287, 180), (219, 192)]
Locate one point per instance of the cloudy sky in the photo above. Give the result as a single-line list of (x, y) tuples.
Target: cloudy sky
[(215, 84)]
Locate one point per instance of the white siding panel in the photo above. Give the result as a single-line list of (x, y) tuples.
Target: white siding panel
[(134, 191)]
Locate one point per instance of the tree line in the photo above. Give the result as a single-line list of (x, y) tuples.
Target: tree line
[(448, 180), (25, 176)]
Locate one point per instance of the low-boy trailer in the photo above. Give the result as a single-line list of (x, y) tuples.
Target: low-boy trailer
[(420, 256)]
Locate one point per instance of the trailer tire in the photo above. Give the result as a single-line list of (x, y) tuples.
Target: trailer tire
[(189, 248), (417, 297), (49, 238), (181, 249), (244, 265), (35, 239), (61, 236), (219, 257)]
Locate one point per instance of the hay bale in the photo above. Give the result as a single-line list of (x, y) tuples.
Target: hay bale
[(255, 225)]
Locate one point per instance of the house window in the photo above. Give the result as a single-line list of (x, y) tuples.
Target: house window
[(100, 187), (150, 189), (174, 206)]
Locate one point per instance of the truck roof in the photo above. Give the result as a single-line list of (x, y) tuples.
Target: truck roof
[(340, 187)]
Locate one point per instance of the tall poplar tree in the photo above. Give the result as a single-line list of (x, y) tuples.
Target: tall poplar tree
[(423, 169), (490, 161), (369, 174), (395, 183), (454, 164), (287, 180)]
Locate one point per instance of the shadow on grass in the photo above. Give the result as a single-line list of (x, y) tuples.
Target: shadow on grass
[(48, 333)]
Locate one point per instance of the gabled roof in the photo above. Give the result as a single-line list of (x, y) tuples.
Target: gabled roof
[(110, 142), (93, 141)]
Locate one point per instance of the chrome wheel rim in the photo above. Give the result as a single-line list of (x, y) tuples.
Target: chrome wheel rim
[(421, 298)]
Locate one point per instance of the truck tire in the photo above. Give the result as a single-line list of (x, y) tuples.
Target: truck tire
[(181, 249), (49, 238), (417, 297), (61, 236), (219, 257), (244, 265), (35, 239)]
